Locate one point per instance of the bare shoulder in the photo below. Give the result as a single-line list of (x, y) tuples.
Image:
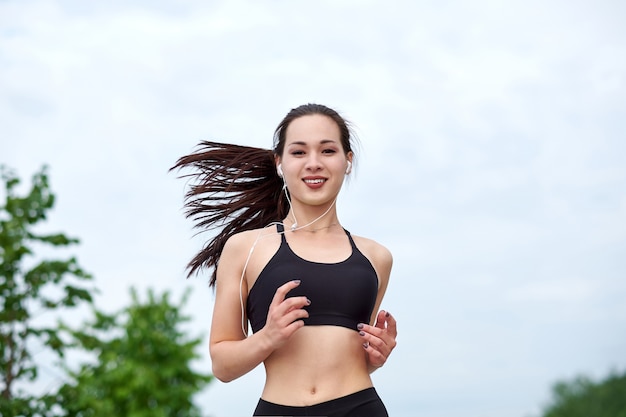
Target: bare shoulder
[(240, 243), (378, 254), (248, 251)]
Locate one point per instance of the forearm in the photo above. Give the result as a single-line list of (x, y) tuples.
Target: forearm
[(234, 358)]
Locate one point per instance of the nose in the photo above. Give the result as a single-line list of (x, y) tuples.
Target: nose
[(313, 163)]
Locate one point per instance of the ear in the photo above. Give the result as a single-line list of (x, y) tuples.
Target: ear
[(349, 157), (279, 169)]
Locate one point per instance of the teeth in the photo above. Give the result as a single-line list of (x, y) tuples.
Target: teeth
[(316, 181)]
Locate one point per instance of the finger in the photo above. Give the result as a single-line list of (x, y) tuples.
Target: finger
[(295, 315), (373, 330), (382, 344), (376, 358), (295, 325), (292, 303), (380, 319), (392, 327), (291, 308), (385, 336), (282, 291), (287, 326)]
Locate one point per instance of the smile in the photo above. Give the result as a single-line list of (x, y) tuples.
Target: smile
[(315, 181)]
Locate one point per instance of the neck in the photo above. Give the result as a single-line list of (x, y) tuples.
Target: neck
[(316, 229), (312, 219), (309, 227)]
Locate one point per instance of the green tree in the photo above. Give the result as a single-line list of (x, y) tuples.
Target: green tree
[(31, 288), (582, 397), (143, 364)]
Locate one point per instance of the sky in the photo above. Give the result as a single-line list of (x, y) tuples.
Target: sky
[(492, 164)]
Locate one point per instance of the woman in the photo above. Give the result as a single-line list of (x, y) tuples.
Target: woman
[(283, 262)]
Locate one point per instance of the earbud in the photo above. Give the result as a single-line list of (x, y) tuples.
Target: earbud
[(349, 168)]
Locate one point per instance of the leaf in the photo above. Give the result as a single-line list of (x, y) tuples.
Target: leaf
[(27, 294)]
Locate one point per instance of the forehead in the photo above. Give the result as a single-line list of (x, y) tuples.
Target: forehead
[(312, 128)]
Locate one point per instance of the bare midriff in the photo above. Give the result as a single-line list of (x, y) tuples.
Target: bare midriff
[(318, 363)]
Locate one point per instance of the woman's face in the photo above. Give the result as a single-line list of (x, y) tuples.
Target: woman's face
[(313, 162)]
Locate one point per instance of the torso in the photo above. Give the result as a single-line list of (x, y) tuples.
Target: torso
[(342, 293), (319, 362)]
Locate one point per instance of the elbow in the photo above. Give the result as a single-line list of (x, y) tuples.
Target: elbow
[(222, 374), (219, 369)]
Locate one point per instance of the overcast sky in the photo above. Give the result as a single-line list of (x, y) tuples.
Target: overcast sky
[(492, 165)]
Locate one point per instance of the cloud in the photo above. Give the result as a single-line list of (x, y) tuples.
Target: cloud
[(491, 164)]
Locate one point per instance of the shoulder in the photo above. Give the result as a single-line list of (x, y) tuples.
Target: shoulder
[(246, 239), (378, 254), (247, 252), (239, 245), (235, 252), (238, 240)]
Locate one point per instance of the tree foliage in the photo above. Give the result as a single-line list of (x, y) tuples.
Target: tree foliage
[(29, 288), (143, 364), (141, 355), (582, 397)]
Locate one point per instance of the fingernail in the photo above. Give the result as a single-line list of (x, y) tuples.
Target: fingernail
[(308, 302), (366, 345), (359, 326), (296, 281), (387, 314), (361, 333)]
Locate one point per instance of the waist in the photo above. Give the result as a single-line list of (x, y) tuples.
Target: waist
[(318, 363), (322, 408), (296, 395)]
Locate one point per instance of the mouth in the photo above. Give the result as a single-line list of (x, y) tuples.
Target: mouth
[(314, 181)]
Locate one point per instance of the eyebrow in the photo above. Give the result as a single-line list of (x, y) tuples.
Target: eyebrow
[(322, 142)]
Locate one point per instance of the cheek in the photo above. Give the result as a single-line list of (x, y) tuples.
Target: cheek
[(340, 165)]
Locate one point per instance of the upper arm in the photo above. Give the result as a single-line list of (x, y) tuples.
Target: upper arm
[(230, 290), (382, 261)]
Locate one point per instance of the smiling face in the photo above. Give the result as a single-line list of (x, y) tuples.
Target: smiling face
[(313, 161)]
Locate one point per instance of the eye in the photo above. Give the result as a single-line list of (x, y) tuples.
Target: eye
[(329, 151), (297, 153)]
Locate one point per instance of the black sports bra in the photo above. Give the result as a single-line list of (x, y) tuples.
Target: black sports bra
[(341, 294)]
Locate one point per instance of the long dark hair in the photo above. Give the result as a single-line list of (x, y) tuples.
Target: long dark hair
[(236, 188)]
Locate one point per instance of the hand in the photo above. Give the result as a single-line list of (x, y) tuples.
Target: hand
[(379, 340), (284, 314)]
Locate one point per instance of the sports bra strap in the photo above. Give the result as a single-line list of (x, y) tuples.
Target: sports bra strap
[(280, 228), (354, 248), (345, 292)]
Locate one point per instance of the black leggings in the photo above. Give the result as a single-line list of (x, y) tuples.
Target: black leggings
[(364, 403)]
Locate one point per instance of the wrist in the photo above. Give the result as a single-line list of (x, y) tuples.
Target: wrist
[(264, 342)]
